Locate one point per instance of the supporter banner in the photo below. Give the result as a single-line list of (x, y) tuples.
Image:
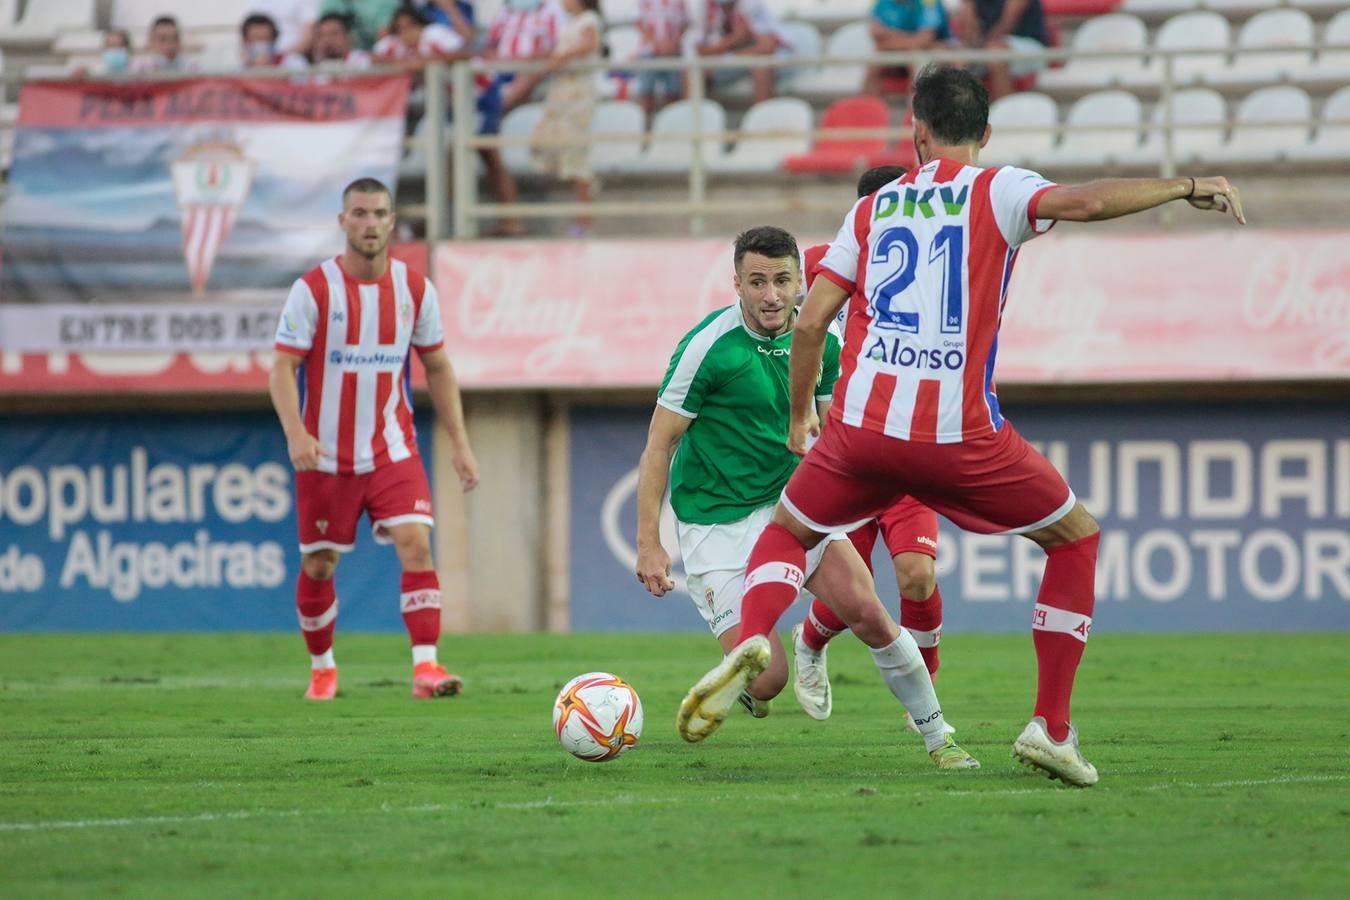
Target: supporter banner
[(155, 327), (215, 191), (1237, 305), (1213, 519), (163, 523)]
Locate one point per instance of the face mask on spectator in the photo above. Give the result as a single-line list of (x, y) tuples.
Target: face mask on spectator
[(116, 59), (260, 52)]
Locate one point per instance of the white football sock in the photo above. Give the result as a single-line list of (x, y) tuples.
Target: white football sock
[(903, 670), (423, 653), (323, 660)]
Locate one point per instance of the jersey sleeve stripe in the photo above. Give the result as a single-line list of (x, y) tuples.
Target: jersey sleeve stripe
[(691, 359), (428, 348), (677, 410), (296, 351), (1036, 202), (840, 280)]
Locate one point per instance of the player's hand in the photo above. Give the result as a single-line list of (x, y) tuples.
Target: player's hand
[(653, 570), (802, 433), (1214, 192), (305, 451), (466, 467)]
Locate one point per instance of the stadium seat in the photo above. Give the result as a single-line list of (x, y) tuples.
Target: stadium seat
[(1193, 106), (1257, 143), (806, 42), (1155, 8), (9, 11), (1025, 110), (844, 154), (136, 15), (1332, 67), (1273, 28), (1080, 149), (42, 22), (520, 122), (1189, 31), (904, 153), (827, 10), (1332, 142), (623, 42), (624, 11), (849, 41), (676, 155), (616, 117), (766, 154), (414, 165), (77, 40), (1114, 33), (1079, 7)]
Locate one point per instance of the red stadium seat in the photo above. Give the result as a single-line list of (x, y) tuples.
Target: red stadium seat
[(1079, 7), (845, 154), (903, 154)]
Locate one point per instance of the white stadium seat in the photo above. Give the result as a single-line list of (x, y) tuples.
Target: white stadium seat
[(623, 11), (1332, 142), (1024, 110), (616, 117), (9, 11), (676, 155), (1111, 33), (829, 10), (42, 22), (1189, 31), (1092, 148), (849, 41), (766, 154), (520, 122), (1256, 143), (623, 42), (1193, 106), (1268, 31), (136, 15), (1158, 7), (1332, 67)]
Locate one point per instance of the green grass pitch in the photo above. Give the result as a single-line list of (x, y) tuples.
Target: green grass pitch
[(187, 766)]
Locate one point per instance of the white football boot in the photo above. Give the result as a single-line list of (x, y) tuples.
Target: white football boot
[(810, 679), (1058, 760), (706, 705)]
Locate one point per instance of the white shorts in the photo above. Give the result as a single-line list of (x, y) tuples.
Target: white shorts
[(715, 557)]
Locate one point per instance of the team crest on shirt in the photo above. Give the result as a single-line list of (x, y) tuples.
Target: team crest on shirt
[(322, 525), (708, 596), (405, 313)]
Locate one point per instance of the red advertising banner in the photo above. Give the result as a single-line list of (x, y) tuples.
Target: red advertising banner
[(1247, 305)]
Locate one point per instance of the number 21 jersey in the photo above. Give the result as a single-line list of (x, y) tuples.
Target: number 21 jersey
[(927, 260)]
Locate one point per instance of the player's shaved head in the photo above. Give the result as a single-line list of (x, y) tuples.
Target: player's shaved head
[(365, 186), (766, 240), (952, 103), (875, 179)]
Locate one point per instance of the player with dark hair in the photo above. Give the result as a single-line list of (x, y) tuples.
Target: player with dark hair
[(717, 439), (924, 266), (345, 332), (910, 531)]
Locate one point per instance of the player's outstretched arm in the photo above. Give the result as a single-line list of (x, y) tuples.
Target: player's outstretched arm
[(663, 436), (302, 447), (1115, 197), (808, 350), (445, 397)]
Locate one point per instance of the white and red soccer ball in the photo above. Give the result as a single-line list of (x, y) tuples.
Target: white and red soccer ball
[(597, 716)]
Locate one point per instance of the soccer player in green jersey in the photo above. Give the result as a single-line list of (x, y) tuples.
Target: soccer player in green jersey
[(718, 440)]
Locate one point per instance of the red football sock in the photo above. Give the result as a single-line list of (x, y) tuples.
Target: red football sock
[(316, 602), (420, 602), (820, 625), (774, 576), (923, 620), (1060, 624)]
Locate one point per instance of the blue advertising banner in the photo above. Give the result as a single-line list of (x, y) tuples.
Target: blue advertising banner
[(163, 523), (1228, 518)]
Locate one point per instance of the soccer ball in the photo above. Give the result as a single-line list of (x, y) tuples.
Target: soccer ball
[(597, 716)]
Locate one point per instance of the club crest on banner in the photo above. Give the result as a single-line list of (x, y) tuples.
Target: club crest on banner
[(211, 182)]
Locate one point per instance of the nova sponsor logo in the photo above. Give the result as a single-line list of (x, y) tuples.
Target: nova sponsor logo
[(892, 351), (773, 351)]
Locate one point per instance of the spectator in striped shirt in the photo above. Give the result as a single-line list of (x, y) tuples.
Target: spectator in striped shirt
[(663, 24), (524, 30)]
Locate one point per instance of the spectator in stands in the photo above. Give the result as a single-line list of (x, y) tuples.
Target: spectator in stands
[(116, 57), (1017, 25), (414, 43), (165, 46), (258, 36), (741, 28), (901, 25), (570, 104), (333, 44), (295, 20), (662, 24), (369, 18), (454, 14), (523, 30)]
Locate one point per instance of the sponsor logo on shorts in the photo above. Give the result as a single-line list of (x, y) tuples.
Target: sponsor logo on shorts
[(721, 617), (322, 525), (422, 506), (926, 541)]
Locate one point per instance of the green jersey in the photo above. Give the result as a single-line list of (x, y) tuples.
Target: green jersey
[(734, 384)]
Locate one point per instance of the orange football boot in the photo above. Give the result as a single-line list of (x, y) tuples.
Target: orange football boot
[(322, 684), (431, 680)]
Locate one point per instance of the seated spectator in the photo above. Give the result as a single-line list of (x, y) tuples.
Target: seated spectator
[(259, 45), (741, 28), (455, 14), (295, 21), (369, 18), (165, 46), (1017, 25), (333, 45), (901, 25), (414, 43), (570, 104), (523, 30), (662, 24)]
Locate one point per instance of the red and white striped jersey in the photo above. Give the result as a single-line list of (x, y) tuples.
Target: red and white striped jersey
[(927, 260), (666, 20), (435, 40), (354, 338), (527, 33)]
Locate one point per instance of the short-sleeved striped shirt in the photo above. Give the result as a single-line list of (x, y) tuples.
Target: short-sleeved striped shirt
[(734, 384)]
